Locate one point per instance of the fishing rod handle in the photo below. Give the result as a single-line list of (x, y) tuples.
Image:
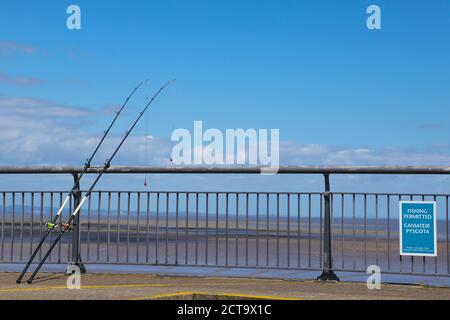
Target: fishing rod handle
[(47, 254), (36, 250)]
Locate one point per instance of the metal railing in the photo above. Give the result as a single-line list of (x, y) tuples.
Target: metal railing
[(366, 232), (321, 231), (174, 228)]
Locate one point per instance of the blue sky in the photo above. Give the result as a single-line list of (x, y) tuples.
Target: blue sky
[(339, 93)]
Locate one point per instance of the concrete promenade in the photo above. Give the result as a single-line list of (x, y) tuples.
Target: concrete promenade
[(148, 286)]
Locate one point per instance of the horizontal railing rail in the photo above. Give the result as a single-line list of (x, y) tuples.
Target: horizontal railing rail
[(234, 170)]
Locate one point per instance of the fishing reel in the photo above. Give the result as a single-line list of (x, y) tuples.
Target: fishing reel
[(55, 227), (66, 226), (51, 226)]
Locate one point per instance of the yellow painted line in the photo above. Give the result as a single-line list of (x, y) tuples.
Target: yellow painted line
[(267, 297), (166, 295), (87, 287)]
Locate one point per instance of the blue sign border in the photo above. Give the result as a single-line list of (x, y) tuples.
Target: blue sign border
[(421, 254)]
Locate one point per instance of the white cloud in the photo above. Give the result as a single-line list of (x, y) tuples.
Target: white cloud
[(40, 132), (9, 46), (313, 154), (19, 80), (30, 107), (109, 109), (37, 132)]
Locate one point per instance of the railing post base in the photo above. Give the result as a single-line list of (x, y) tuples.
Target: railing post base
[(80, 265), (328, 276)]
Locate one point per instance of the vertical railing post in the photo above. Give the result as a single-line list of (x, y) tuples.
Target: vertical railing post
[(327, 270), (76, 250)]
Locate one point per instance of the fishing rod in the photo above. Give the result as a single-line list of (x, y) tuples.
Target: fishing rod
[(66, 226), (51, 225)]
